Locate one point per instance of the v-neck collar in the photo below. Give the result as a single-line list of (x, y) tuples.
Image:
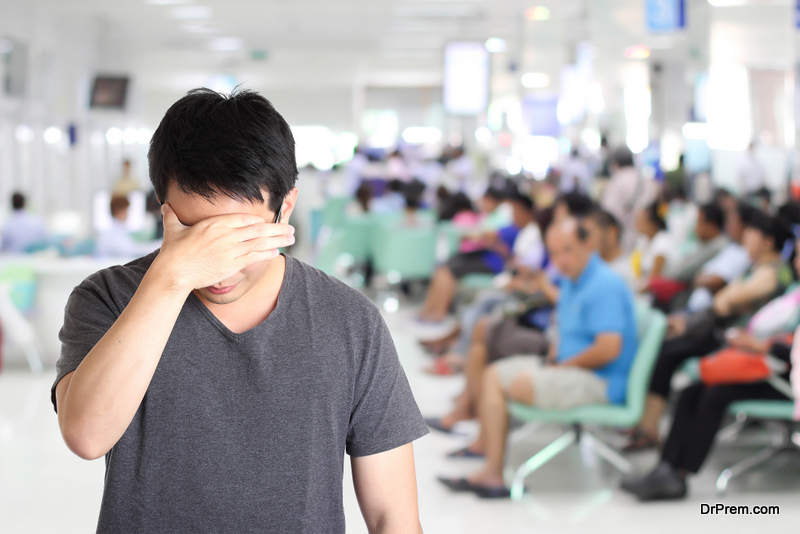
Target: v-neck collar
[(230, 334)]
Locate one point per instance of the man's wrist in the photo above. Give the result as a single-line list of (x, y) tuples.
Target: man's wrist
[(166, 280)]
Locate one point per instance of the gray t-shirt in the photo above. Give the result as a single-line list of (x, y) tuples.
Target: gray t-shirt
[(247, 432)]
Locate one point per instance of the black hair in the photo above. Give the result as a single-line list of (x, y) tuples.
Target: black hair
[(790, 212), (654, 214), (622, 157), (453, 205), (238, 145), (770, 227), (412, 192), (745, 210), (582, 233), (604, 219), (578, 204), (714, 214), (17, 201), (520, 198), (495, 194), (395, 185)]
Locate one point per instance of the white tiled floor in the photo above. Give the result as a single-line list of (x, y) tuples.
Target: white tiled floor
[(46, 489)]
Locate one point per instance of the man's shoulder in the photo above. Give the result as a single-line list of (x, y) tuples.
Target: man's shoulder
[(329, 294), (119, 279), (607, 281)]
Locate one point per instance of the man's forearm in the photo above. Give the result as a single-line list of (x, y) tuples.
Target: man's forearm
[(105, 391), (596, 355)]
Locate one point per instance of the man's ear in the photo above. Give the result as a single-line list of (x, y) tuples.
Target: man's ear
[(289, 202)]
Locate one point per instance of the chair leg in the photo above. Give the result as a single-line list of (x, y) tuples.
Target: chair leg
[(607, 453), (784, 441), (538, 460), (34, 361), (745, 465)]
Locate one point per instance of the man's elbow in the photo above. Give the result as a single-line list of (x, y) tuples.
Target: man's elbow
[(81, 441)]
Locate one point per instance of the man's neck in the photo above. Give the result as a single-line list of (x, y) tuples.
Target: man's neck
[(611, 254)]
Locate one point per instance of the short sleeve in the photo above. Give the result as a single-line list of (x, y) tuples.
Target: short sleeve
[(384, 414), (606, 312), (87, 318)]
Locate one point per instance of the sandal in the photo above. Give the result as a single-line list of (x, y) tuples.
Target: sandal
[(641, 441), (465, 453)]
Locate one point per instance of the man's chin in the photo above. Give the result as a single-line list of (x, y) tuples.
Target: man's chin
[(226, 298)]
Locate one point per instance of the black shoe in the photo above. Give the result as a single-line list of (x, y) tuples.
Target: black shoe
[(456, 484), (663, 483), (631, 484)]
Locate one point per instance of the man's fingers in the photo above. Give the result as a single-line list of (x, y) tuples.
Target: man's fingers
[(235, 220), (266, 243), (254, 231), (170, 218)]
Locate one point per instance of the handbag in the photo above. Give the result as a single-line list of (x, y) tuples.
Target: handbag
[(739, 366)]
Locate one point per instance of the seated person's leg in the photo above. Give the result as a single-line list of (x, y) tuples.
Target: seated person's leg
[(674, 353), (698, 417), (509, 338)]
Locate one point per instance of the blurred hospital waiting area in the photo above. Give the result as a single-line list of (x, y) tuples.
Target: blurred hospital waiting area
[(579, 219)]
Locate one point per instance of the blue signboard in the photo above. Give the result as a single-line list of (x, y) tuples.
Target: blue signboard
[(666, 15)]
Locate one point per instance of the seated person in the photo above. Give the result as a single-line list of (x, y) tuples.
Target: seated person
[(116, 241), (700, 334), (494, 250), (711, 240), (572, 205), (588, 365), (655, 249), (495, 339), (392, 201), (22, 230), (670, 288), (729, 264), (698, 417)]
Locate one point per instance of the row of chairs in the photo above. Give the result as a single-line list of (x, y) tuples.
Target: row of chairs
[(652, 326)]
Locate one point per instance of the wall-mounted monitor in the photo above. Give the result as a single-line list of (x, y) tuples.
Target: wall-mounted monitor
[(109, 92)]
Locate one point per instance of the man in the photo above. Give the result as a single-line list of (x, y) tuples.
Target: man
[(588, 365), (116, 241), (221, 379), (710, 242), (126, 184), (604, 236), (22, 230), (751, 174), (729, 264), (626, 194)]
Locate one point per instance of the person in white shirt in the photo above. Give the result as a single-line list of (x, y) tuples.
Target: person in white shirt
[(626, 193), (575, 175), (22, 229), (751, 173), (656, 248), (116, 241)]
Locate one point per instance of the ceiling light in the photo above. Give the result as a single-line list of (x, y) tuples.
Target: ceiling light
[(695, 130), (225, 44), (495, 44), (538, 13), (724, 3), (483, 134), (198, 27), (535, 80), (130, 136), (52, 135), (190, 12), (418, 135), (637, 52), (114, 136)]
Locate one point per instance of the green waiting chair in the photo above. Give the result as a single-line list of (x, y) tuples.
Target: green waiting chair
[(652, 326), (404, 253), (331, 256), (21, 280), (783, 440), (333, 212)]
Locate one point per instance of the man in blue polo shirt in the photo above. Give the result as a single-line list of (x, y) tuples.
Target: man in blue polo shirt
[(588, 364)]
